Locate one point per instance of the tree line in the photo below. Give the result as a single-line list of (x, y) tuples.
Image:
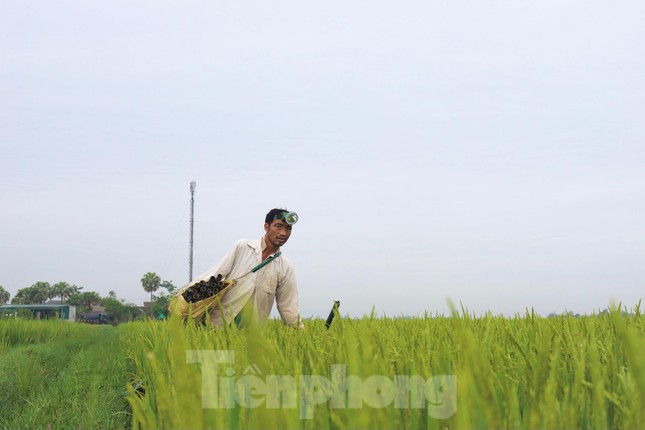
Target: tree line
[(117, 309)]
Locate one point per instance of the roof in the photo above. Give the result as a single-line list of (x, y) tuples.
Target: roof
[(36, 306), (54, 302)]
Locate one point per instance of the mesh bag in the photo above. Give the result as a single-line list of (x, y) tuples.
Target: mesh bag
[(193, 301)]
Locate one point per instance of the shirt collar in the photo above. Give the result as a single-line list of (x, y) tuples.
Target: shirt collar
[(260, 245)]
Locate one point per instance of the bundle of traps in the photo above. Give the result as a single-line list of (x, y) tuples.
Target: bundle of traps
[(205, 289)]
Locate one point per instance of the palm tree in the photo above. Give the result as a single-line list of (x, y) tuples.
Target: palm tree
[(58, 289), (89, 299), (63, 291), (4, 296), (40, 292), (69, 291), (151, 282)]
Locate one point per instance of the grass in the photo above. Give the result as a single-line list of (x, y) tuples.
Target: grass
[(58, 375), (524, 372)]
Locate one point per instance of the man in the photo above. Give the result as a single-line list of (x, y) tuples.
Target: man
[(256, 291)]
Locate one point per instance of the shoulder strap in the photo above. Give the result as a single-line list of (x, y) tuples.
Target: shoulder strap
[(264, 263), (267, 261)]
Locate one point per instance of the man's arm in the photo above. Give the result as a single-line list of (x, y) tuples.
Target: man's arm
[(286, 296)]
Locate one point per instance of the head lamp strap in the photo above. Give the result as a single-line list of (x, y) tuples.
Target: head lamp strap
[(282, 215)]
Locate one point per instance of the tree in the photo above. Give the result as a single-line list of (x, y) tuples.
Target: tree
[(4, 296), (117, 310), (88, 299), (59, 288), (168, 285), (69, 291), (150, 282), (63, 290), (38, 293), (160, 305)]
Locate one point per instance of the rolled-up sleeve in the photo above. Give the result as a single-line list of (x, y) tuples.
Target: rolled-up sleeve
[(286, 296)]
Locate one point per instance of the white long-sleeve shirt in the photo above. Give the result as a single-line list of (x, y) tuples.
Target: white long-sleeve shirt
[(275, 281)]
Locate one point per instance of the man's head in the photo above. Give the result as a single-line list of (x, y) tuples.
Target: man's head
[(283, 214), (276, 227)]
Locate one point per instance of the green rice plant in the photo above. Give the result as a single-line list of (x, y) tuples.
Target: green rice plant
[(523, 372), (73, 377), (20, 332)]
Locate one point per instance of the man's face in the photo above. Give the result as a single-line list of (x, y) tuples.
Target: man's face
[(277, 233)]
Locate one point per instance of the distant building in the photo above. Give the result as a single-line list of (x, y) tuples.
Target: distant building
[(42, 311)]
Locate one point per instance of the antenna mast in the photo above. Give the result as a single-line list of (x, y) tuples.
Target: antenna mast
[(193, 184)]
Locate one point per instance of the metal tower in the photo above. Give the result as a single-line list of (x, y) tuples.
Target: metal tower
[(193, 184)]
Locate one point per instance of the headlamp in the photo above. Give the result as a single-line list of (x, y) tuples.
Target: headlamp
[(289, 217)]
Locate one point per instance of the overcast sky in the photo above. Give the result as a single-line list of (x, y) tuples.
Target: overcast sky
[(489, 153)]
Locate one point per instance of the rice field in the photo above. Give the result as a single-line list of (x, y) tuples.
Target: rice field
[(60, 375), (487, 372), (433, 372)]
